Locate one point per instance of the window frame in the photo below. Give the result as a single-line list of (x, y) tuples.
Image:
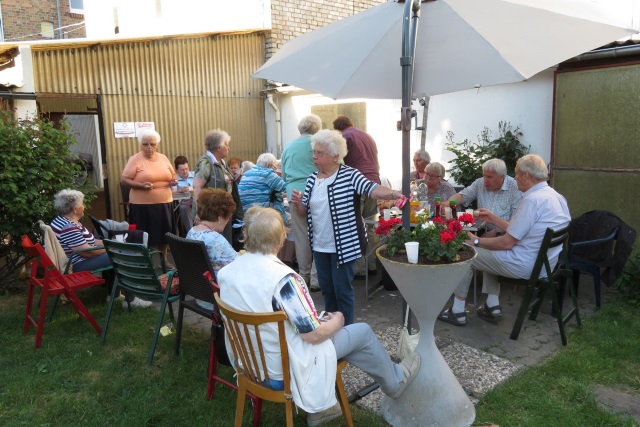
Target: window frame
[(76, 10)]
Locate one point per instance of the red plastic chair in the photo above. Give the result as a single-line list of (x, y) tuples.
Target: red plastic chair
[(54, 283)]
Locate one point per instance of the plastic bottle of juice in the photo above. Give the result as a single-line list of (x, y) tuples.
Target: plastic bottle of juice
[(414, 207)]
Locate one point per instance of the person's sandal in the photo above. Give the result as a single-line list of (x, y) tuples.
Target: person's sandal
[(486, 313), (447, 315)]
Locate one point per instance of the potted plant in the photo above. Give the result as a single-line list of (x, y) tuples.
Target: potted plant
[(435, 397), (441, 241)]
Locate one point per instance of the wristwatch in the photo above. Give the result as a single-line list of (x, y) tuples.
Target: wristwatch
[(476, 242)]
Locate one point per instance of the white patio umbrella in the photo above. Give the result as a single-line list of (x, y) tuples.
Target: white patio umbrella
[(460, 44), (379, 53)]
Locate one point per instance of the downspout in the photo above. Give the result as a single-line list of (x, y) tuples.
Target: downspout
[(278, 125), (60, 36)]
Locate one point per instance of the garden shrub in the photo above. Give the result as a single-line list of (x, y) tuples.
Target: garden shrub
[(36, 163), (467, 166)]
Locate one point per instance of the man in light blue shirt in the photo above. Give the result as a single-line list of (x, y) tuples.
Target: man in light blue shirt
[(185, 177), (184, 185), (514, 253)]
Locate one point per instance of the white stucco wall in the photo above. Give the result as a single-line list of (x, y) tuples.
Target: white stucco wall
[(161, 17), (527, 105)]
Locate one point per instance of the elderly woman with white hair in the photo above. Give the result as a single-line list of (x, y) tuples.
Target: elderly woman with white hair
[(73, 237), (436, 185), (212, 172), (420, 161), (150, 175), (331, 203), (261, 186)]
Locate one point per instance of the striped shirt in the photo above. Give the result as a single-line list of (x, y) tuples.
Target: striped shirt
[(344, 209), (71, 235)]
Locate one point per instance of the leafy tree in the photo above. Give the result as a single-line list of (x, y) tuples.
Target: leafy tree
[(35, 164), (467, 166)]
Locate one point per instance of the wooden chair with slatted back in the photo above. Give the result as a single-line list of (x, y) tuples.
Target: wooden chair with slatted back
[(253, 377)]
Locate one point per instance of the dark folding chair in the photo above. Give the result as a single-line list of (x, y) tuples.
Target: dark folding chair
[(135, 273), (551, 239), (196, 278)]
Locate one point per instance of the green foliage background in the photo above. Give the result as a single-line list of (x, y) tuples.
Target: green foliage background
[(35, 164), (467, 166)]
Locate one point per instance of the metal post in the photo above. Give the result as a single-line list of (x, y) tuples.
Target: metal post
[(409, 33)]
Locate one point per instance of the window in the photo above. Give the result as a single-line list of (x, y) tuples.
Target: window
[(46, 29), (76, 6)]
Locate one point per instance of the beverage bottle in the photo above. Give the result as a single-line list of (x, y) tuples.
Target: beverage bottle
[(454, 208), (414, 207), (438, 205), (422, 191)]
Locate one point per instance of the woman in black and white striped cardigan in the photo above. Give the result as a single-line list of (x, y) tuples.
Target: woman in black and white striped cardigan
[(331, 201)]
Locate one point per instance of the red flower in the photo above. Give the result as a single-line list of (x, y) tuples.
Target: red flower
[(438, 220), (455, 226), (385, 227), (467, 219), (447, 236)]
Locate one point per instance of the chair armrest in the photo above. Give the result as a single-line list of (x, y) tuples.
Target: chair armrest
[(609, 238)]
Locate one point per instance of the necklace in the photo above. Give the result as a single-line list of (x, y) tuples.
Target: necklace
[(210, 228)]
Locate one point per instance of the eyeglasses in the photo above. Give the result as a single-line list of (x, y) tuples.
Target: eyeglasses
[(319, 153), (430, 175)]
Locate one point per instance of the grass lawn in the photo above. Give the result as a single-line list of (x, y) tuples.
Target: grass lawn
[(74, 380), (605, 351)]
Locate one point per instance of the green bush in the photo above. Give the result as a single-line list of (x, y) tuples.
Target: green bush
[(467, 166), (36, 163)]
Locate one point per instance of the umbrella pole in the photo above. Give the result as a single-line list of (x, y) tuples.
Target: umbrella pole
[(409, 33)]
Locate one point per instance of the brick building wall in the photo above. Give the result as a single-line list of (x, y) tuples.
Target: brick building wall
[(291, 18), (21, 19)]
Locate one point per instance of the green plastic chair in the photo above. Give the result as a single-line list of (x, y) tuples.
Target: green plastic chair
[(136, 274), (555, 276)]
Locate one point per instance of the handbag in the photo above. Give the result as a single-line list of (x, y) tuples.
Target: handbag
[(407, 342)]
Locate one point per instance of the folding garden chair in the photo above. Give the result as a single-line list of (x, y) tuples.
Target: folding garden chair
[(54, 283)]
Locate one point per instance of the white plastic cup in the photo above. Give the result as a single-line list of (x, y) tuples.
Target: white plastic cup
[(460, 214), (119, 238), (469, 211), (387, 214), (412, 251)]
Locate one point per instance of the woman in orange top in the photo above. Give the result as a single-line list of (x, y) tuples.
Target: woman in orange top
[(150, 176)]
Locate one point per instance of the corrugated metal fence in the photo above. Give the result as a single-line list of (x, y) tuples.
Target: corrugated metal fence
[(186, 86)]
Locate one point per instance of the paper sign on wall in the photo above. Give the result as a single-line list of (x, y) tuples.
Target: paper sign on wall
[(131, 129), (124, 129)]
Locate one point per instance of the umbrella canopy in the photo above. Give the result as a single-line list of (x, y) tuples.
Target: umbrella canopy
[(460, 44)]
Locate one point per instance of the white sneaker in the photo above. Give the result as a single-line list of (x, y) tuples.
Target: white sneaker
[(410, 367), (137, 303)]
